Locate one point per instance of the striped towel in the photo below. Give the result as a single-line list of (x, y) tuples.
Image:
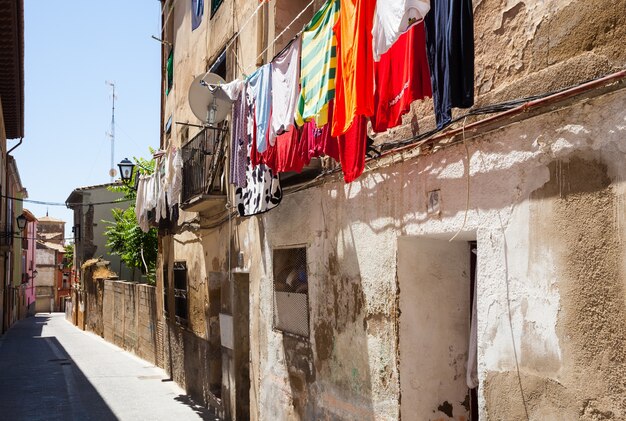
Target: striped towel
[(318, 66)]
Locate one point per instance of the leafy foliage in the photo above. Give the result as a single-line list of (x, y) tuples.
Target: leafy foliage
[(69, 255), (137, 249)]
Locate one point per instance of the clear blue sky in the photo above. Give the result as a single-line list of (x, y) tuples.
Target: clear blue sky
[(71, 49)]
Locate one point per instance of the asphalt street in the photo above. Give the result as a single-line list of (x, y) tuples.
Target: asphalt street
[(51, 370)]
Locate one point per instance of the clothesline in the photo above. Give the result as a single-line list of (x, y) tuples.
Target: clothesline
[(280, 35)]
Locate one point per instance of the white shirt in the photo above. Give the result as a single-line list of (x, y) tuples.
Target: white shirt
[(392, 18), (285, 90)]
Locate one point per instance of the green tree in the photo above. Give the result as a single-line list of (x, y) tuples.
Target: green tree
[(69, 255), (137, 249)]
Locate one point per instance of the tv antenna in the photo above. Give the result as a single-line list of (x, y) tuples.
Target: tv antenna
[(111, 134)]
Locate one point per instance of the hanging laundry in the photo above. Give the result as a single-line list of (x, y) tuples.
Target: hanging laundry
[(140, 198), (161, 188), (402, 76), (318, 65), (197, 10), (355, 64), (393, 18), (450, 45), (285, 89), (352, 149), (262, 192), (288, 154), (239, 140), (260, 85), (146, 200), (318, 140), (175, 184), (231, 89)]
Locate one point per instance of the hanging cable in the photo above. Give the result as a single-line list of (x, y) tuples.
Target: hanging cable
[(281, 34), (67, 204)]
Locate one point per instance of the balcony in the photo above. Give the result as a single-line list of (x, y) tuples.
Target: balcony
[(204, 183)]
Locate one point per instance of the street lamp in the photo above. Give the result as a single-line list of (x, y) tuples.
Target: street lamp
[(126, 170), (21, 222)]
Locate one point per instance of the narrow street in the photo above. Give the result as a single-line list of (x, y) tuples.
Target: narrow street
[(50, 370)]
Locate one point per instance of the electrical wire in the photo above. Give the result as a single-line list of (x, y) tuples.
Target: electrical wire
[(487, 109), (271, 44), (66, 204)]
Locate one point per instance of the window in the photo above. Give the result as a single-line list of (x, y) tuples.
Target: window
[(168, 45), (169, 69), (166, 288), (291, 291), (180, 292), (215, 4), (197, 10), (219, 65)]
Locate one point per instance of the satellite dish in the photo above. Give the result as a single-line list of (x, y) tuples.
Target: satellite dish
[(209, 104)]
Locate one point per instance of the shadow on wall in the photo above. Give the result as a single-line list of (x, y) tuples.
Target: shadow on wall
[(502, 172), (575, 220), (203, 413)]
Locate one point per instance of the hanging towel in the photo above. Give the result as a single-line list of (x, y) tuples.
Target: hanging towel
[(285, 89), (450, 46), (260, 84), (402, 76), (318, 65), (393, 18), (355, 64)]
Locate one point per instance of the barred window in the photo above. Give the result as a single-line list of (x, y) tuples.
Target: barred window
[(291, 291), (180, 292)]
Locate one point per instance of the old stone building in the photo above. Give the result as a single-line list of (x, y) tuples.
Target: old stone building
[(518, 207), (11, 127)]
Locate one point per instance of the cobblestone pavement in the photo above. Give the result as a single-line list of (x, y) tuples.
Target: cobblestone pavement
[(50, 370)]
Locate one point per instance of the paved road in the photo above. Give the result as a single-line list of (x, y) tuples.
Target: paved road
[(50, 370)]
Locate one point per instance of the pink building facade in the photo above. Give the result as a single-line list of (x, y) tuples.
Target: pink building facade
[(29, 264)]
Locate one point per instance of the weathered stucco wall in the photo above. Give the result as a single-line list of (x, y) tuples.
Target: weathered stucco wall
[(545, 207), (518, 188)]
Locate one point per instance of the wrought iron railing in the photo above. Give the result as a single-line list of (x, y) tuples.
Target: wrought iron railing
[(203, 163)]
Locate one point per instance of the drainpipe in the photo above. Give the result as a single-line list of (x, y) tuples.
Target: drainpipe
[(15, 147)]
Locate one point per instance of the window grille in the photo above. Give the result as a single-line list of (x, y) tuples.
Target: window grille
[(291, 291), (166, 288), (180, 292)]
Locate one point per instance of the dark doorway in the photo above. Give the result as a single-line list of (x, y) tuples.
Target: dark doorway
[(473, 393)]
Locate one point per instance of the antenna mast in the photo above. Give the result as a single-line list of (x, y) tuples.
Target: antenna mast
[(111, 134)]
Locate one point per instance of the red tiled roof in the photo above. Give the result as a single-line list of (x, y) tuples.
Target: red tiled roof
[(12, 66)]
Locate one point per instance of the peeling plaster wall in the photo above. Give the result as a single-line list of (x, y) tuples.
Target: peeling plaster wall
[(546, 208), (530, 216)]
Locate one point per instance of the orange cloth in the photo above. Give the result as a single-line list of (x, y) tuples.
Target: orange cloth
[(354, 95)]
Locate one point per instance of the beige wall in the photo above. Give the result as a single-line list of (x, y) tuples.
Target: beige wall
[(535, 190)]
